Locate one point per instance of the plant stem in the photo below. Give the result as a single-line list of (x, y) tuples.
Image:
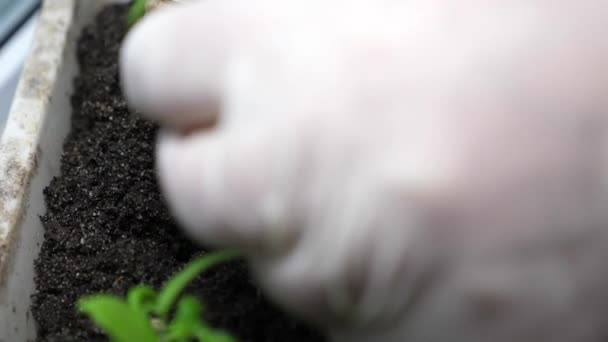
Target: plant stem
[(178, 283)]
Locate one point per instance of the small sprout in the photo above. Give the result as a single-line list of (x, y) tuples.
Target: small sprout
[(120, 321), (142, 298), (178, 283), (137, 11), (139, 8), (145, 315), (187, 325)]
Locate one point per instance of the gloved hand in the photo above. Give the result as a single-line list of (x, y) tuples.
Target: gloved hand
[(428, 170)]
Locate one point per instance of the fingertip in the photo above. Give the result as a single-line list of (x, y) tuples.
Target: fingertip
[(170, 67), (181, 180), (144, 58), (192, 176), (223, 190)]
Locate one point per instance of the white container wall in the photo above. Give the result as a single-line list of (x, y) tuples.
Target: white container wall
[(12, 55), (30, 150)]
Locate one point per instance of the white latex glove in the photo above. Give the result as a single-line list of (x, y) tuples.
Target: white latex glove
[(423, 170)]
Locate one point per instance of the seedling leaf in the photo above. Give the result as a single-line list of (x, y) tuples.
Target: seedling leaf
[(187, 320), (178, 283), (121, 322), (142, 298), (136, 12), (144, 316)]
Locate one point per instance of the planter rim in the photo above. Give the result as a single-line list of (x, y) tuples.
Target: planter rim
[(19, 143)]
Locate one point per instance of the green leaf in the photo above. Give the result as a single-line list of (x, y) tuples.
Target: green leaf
[(178, 283), (121, 322), (205, 334), (209, 335), (136, 12), (189, 309), (188, 324), (142, 298), (187, 320), (219, 337)]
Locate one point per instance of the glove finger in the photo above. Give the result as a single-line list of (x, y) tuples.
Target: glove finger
[(173, 62), (228, 189)]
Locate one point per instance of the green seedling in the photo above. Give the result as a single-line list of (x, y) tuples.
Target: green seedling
[(137, 11), (146, 315)]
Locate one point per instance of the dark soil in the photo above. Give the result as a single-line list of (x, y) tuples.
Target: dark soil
[(107, 227)]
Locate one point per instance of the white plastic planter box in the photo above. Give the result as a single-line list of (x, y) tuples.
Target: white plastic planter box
[(30, 151), (12, 55)]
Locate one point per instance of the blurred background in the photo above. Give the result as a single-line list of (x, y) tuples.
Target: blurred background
[(18, 20)]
